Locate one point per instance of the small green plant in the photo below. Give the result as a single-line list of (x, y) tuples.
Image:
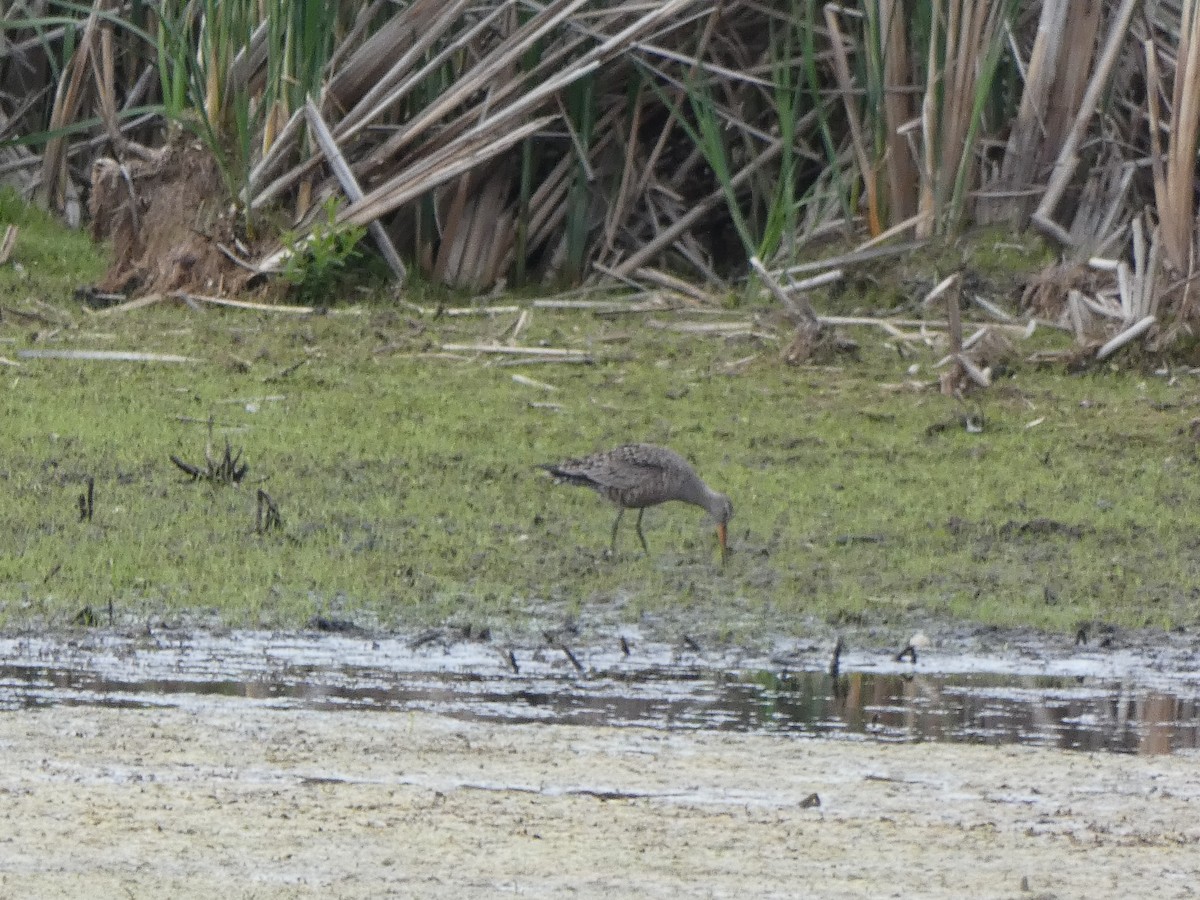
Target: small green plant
[(316, 265)]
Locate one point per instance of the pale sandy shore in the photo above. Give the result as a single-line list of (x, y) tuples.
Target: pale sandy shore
[(231, 797)]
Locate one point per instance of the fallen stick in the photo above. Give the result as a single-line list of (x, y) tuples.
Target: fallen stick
[(479, 310), (927, 323), (538, 360), (609, 306), (816, 281), (244, 304), (857, 256), (530, 382), (975, 338), (499, 348), (128, 305), (991, 308), (671, 283), (701, 327), (234, 258), (107, 356)]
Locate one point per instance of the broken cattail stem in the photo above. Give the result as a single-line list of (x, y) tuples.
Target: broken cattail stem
[(940, 288), (952, 312), (808, 284), (972, 371), (798, 306), (345, 176), (1127, 336)]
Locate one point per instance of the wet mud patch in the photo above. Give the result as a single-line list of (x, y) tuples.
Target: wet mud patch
[(1104, 696), (1014, 529), (245, 790)]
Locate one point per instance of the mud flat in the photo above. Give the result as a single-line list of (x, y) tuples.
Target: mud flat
[(236, 797)]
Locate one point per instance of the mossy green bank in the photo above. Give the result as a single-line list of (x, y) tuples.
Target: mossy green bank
[(406, 476)]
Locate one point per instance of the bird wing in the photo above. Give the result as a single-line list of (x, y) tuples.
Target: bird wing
[(643, 469), (638, 465)]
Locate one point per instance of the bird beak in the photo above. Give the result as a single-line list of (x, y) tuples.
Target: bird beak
[(721, 539)]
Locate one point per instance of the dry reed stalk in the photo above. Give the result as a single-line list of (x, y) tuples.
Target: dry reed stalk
[(1175, 184), (949, 121), (1011, 196), (845, 84), (68, 98), (350, 186), (902, 176), (8, 242), (1068, 157)]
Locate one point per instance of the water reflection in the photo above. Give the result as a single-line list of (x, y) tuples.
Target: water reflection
[(989, 709), (1069, 713)]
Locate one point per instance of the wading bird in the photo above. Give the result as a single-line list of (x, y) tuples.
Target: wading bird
[(639, 475)]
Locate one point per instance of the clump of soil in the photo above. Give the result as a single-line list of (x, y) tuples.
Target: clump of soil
[(165, 214)]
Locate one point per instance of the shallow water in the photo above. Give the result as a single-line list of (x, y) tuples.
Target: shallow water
[(1123, 702)]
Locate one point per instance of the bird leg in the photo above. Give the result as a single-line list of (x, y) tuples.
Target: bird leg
[(613, 547), (639, 531)]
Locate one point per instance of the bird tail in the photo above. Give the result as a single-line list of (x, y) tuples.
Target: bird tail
[(564, 475)]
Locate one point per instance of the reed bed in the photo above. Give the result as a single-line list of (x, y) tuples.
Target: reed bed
[(491, 142)]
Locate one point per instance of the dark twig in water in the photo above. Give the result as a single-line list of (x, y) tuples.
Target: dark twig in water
[(571, 656), (690, 644), (910, 651), (624, 646), (334, 626), (836, 662), (554, 640), (425, 637), (512, 662)]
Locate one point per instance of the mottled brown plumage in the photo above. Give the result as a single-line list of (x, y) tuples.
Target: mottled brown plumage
[(639, 475)]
